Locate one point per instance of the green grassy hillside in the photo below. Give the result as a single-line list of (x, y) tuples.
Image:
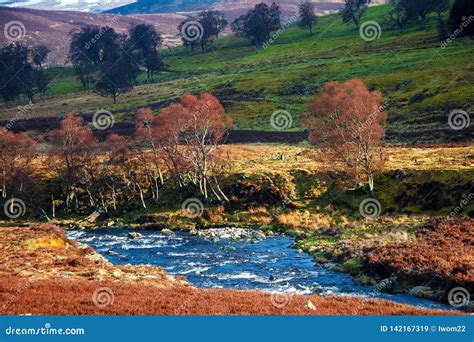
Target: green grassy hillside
[(420, 80)]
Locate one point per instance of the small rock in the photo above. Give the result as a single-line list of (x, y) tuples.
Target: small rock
[(420, 291), (102, 272), (117, 274), (167, 231), (365, 280), (25, 273), (260, 235), (309, 304), (110, 223), (96, 257), (398, 235), (398, 174), (134, 235)]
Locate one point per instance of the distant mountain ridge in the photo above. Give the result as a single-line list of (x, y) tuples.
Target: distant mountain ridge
[(129, 7), (91, 6), (162, 6)]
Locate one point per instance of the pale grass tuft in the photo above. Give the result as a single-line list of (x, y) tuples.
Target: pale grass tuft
[(304, 220)]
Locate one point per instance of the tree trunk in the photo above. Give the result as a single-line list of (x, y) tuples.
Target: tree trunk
[(142, 198), (4, 184), (371, 184), (53, 206)]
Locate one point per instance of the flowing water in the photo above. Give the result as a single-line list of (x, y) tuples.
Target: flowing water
[(269, 264)]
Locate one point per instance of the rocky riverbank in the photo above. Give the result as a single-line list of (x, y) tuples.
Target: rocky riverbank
[(44, 272), (394, 254), (427, 260)]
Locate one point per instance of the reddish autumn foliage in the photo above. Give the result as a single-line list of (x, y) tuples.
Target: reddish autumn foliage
[(16, 152), (72, 137), (188, 133), (146, 134), (74, 145), (84, 176), (64, 297), (349, 120), (442, 256)]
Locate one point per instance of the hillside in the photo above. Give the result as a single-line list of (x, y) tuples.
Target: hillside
[(52, 28), (421, 81)]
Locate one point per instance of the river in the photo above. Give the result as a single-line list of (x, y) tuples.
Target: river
[(269, 264)]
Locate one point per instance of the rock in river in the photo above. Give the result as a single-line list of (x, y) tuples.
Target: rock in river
[(134, 235)]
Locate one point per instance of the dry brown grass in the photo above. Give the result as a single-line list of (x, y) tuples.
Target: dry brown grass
[(442, 255), (44, 252), (262, 158), (308, 221), (65, 297)]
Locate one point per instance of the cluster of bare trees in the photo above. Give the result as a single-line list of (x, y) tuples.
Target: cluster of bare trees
[(70, 171)]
